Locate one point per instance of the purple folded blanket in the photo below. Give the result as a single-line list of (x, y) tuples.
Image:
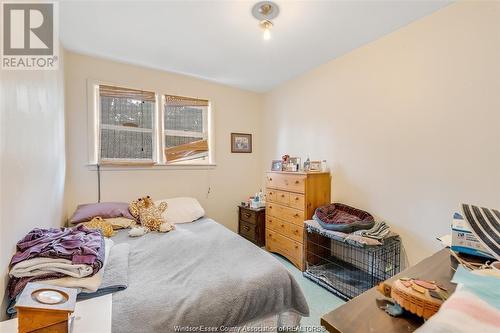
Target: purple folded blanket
[(80, 245)]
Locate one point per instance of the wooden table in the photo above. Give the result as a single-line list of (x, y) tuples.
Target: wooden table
[(362, 314)]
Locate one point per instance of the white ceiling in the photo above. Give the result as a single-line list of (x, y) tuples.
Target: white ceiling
[(221, 41)]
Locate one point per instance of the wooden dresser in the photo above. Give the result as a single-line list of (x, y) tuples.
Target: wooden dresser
[(291, 198), (251, 224)]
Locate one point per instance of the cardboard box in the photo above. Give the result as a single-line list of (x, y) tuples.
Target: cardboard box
[(464, 241)]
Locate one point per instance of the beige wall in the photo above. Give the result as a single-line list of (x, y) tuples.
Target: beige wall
[(234, 178), (409, 124), (32, 158)]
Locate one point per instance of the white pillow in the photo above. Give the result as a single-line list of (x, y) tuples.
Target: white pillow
[(182, 210)]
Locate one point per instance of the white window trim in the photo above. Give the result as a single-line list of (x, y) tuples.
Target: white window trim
[(158, 137)]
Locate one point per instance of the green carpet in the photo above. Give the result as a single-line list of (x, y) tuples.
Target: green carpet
[(320, 300)]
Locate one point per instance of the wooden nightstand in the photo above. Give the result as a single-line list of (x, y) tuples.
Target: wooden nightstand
[(92, 315), (252, 224)]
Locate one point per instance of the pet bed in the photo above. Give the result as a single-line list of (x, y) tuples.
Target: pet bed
[(344, 218)]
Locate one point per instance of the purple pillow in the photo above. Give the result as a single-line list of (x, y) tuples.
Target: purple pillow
[(87, 212)]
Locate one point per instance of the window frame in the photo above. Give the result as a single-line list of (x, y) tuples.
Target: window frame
[(206, 115), (158, 132)]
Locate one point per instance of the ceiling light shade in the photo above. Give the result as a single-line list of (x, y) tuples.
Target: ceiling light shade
[(265, 11)]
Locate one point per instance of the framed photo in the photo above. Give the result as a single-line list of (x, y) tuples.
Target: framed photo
[(296, 161), (276, 165), (241, 143), (315, 166)]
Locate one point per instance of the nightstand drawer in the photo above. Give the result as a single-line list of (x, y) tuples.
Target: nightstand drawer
[(248, 215), (247, 230), (251, 224), (289, 230)]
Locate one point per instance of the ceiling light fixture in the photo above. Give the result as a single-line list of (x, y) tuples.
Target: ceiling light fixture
[(265, 11)]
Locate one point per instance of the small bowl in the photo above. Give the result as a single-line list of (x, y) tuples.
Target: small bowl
[(49, 296)]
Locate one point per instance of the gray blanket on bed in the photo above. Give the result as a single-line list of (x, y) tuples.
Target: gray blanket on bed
[(200, 274)]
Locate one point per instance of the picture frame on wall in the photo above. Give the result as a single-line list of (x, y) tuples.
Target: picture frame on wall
[(241, 143), (276, 165)]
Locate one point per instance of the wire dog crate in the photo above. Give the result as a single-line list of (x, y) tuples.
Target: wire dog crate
[(348, 269)]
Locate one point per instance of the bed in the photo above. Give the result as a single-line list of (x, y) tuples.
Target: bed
[(202, 275)]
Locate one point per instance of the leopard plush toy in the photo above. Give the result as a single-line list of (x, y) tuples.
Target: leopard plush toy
[(149, 215), (103, 225)]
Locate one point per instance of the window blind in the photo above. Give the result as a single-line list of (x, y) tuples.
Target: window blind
[(126, 124), (119, 92), (171, 100)]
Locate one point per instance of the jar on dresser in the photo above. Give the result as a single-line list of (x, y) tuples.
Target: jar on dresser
[(291, 198)]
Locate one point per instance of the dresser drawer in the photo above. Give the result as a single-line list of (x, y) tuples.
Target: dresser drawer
[(297, 201), (287, 182), (283, 197), (248, 215), (288, 214), (247, 230), (271, 195), (285, 246), (289, 230)]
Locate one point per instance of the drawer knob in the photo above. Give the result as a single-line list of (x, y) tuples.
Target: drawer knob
[(296, 215), (282, 195), (270, 179), (246, 228), (282, 225), (248, 215), (297, 182), (296, 198), (296, 246)]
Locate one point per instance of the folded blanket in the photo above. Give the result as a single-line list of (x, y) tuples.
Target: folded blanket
[(42, 266), (89, 284), (352, 239), (380, 230), (16, 285), (463, 312), (115, 274), (80, 245)]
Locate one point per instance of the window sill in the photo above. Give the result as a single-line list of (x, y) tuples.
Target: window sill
[(127, 167)]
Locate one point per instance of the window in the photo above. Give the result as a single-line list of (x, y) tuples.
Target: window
[(128, 126), (185, 129)]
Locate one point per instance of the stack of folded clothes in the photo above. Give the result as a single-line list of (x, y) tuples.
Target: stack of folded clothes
[(53, 255)]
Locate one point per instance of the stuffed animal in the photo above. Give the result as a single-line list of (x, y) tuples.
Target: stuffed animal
[(149, 215), (98, 223)]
